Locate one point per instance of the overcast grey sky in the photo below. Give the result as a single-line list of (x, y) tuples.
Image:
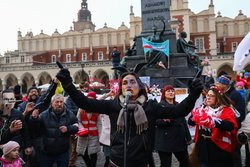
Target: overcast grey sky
[(48, 15)]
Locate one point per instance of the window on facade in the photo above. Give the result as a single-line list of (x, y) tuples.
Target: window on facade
[(84, 57), (234, 46), (218, 47), (7, 60), (22, 59), (199, 43), (68, 58), (53, 59), (100, 55)]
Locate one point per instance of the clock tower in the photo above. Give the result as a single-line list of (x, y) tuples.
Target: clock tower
[(84, 18)]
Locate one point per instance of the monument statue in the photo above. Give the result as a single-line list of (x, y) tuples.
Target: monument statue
[(155, 56), (187, 47), (156, 28)]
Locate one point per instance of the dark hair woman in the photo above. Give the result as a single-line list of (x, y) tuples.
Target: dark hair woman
[(216, 126), (171, 135), (142, 114)]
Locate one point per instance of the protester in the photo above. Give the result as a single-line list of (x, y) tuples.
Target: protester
[(244, 78), (240, 87), (141, 115), (18, 95), (216, 127), (116, 58), (56, 125), (10, 156), (88, 145), (32, 95), (172, 135), (224, 83), (42, 104), (105, 123), (14, 127)]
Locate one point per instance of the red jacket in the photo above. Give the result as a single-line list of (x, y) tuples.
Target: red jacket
[(226, 140), (90, 124)]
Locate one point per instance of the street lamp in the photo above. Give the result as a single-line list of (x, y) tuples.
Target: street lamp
[(82, 65)]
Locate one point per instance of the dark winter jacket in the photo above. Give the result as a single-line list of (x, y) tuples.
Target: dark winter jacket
[(115, 55), (42, 103), (207, 148), (171, 136), (71, 106), (54, 142), (239, 103), (138, 146), (22, 136)]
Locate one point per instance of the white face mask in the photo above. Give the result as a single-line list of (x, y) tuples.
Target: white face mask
[(8, 101)]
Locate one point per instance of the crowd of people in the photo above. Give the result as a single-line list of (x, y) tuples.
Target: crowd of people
[(42, 130)]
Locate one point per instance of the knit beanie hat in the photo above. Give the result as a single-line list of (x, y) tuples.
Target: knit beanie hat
[(247, 74), (31, 88), (8, 147), (168, 87), (92, 95), (240, 83), (223, 80)]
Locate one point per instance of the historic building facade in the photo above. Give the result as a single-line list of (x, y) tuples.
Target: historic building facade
[(86, 50)]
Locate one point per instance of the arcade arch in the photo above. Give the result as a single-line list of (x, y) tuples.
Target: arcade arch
[(101, 76), (225, 69), (11, 80), (80, 76), (44, 78), (27, 81)]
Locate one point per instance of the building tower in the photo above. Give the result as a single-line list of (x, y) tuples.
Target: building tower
[(84, 18)]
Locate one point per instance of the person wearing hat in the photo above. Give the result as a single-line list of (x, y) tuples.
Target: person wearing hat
[(88, 145), (10, 156), (240, 87), (244, 78), (33, 97), (224, 83), (171, 135)]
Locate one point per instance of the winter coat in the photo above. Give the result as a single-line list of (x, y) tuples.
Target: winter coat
[(216, 145), (239, 103), (242, 92), (245, 126), (42, 103), (115, 55), (105, 132), (171, 136), (138, 146), (5, 163), (22, 136), (71, 105), (87, 142), (54, 142)]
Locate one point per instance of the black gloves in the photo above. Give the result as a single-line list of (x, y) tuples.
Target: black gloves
[(242, 138), (195, 87), (64, 77)]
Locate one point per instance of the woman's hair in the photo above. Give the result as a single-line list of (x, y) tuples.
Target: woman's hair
[(220, 97), (166, 88), (141, 86)]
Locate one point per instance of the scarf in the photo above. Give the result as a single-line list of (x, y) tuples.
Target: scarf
[(140, 117)]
